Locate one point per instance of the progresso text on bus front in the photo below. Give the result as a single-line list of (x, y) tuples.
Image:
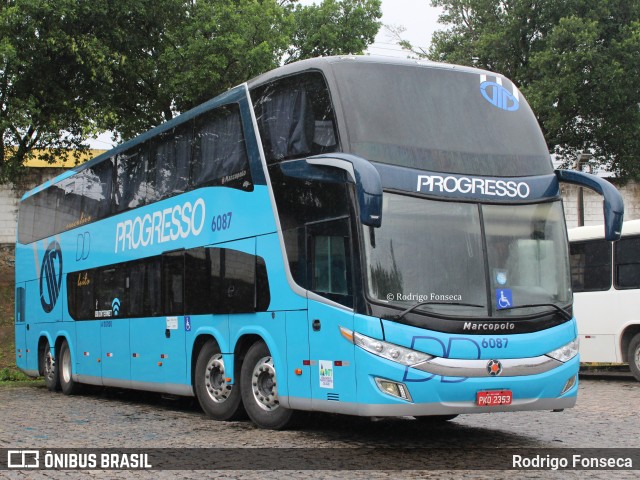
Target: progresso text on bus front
[(473, 185)]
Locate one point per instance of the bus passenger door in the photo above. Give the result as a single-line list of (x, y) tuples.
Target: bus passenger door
[(172, 353), (111, 310), (157, 338), (83, 308), (332, 355), (20, 326), (32, 315)]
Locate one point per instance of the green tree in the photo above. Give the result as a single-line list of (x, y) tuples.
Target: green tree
[(70, 68), (334, 28), (50, 65), (576, 61)]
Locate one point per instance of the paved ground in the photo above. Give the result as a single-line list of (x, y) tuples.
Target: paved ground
[(607, 416)]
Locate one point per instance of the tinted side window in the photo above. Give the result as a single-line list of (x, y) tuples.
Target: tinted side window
[(44, 204), (96, 192), (627, 273), (590, 266), (220, 154), (239, 284), (203, 270), (295, 117), (80, 294), (26, 214), (20, 304), (69, 209), (131, 176), (329, 249), (169, 163), (263, 292), (143, 288), (299, 203), (110, 292), (217, 281), (173, 283)]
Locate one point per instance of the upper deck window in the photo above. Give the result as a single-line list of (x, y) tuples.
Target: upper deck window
[(206, 151), (440, 120), (295, 117)]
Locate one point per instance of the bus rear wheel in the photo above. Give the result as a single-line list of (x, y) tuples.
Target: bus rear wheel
[(260, 390), (634, 356), (50, 368), (68, 385), (219, 399)]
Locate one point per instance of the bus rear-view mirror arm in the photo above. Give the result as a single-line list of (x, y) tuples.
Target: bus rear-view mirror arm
[(358, 171), (613, 205)]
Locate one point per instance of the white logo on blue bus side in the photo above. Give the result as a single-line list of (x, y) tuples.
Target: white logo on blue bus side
[(169, 224)]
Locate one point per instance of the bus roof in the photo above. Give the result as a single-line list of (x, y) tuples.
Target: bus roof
[(593, 232), (322, 63)]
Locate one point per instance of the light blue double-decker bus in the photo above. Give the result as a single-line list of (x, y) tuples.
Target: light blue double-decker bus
[(346, 234)]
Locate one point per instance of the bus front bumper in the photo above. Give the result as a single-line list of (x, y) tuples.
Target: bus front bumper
[(551, 387)]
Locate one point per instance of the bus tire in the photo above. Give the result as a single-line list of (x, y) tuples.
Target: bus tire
[(634, 356), (65, 369), (218, 399), (259, 387), (50, 368)]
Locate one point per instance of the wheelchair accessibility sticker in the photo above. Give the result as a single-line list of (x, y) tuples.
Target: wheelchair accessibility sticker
[(504, 298)]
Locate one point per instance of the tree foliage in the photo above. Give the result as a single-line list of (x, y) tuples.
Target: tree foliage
[(334, 28), (71, 68), (576, 61)]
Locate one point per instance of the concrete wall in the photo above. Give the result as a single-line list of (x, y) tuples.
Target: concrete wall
[(8, 212), (9, 201), (593, 204)]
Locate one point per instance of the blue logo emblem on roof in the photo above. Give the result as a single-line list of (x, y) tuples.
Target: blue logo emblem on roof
[(498, 96)]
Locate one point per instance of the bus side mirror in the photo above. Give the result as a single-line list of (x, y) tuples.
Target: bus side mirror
[(358, 170), (613, 205)]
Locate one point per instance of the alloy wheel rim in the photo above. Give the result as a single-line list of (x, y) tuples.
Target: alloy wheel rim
[(263, 384), (217, 386)]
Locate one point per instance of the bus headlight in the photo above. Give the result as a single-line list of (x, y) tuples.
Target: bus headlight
[(566, 352), (390, 351), (395, 389)]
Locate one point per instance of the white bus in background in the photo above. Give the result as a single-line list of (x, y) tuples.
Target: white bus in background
[(606, 284)]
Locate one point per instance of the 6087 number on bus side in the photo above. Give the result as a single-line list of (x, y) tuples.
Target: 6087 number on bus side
[(221, 222)]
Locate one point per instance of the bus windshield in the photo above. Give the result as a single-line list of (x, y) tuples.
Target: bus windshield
[(433, 251), (440, 120)]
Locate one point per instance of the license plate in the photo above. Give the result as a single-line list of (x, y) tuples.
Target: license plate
[(493, 398)]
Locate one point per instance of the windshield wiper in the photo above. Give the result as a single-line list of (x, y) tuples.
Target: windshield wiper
[(563, 312), (422, 304)]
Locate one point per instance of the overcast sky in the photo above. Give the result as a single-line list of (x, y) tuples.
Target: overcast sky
[(419, 19)]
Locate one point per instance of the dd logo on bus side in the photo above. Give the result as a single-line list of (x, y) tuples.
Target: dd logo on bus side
[(51, 276)]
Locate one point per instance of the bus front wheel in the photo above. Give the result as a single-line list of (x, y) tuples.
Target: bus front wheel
[(260, 390), (50, 368), (68, 385), (634, 356), (218, 398)]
